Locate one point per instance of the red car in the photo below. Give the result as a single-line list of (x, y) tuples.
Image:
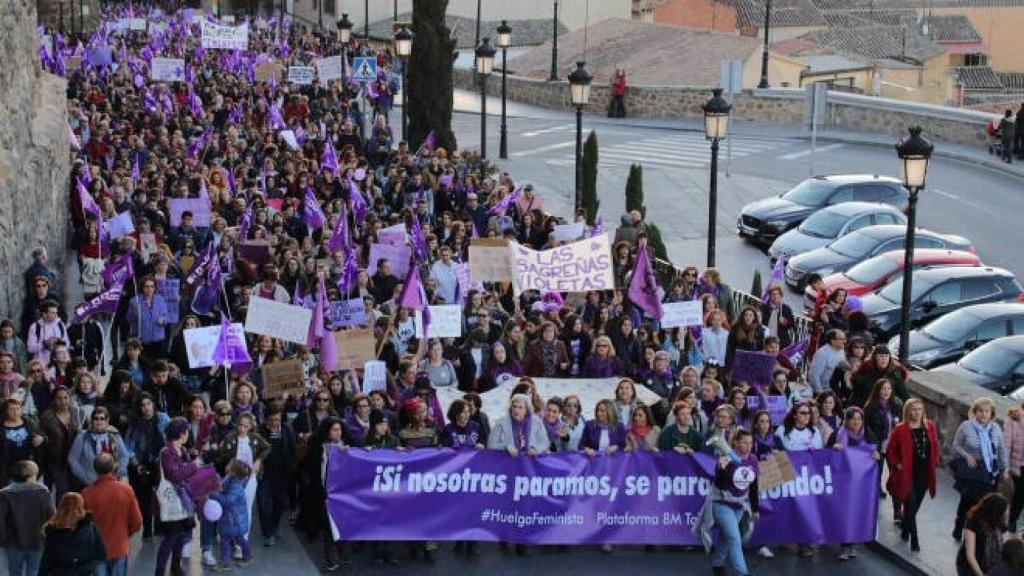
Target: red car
[(873, 273)]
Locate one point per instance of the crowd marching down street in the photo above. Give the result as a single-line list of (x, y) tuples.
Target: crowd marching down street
[(291, 316)]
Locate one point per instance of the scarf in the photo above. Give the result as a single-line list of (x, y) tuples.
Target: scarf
[(765, 444), (985, 439), (521, 433), (845, 437), (640, 431), (549, 355)]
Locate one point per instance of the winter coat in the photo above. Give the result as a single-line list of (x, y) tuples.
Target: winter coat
[(592, 436), (23, 509), (502, 435), (229, 447), (234, 520), (901, 451), (73, 552), (83, 454)]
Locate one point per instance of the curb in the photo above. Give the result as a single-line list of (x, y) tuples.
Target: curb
[(896, 558)]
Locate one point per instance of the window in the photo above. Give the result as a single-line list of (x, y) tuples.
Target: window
[(886, 218), (866, 193), (945, 294), (890, 246), (844, 194), (975, 60), (990, 331), (1018, 326), (928, 242), (975, 288), (859, 223)]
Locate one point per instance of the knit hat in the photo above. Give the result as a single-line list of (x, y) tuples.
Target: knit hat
[(882, 349), (376, 417), (175, 429)]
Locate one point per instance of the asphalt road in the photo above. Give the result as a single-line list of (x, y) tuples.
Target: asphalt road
[(974, 201)]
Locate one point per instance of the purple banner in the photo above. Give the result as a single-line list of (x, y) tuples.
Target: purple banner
[(568, 498), (754, 368)]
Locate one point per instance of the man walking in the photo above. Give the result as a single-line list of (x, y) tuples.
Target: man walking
[(24, 506), (117, 514), (1006, 127)]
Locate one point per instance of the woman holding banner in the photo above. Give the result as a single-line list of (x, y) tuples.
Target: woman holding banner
[(854, 434), (912, 455), (731, 505), (797, 434), (604, 433)]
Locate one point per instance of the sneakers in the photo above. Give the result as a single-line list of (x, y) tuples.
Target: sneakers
[(208, 559), (237, 553), (845, 553), (765, 552), (269, 541)]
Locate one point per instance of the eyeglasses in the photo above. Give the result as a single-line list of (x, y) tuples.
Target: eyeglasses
[(323, 399), (223, 413), (43, 285), (99, 418), (803, 413), (36, 371)]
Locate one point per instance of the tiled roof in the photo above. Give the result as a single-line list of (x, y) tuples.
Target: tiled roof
[(881, 5), (951, 28), (978, 78), (941, 27), (1011, 80), (784, 13), (531, 32), (879, 42)]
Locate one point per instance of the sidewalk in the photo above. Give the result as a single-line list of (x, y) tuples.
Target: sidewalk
[(935, 528)]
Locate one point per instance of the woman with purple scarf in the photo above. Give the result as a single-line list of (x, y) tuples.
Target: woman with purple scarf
[(853, 433), (177, 467), (501, 367), (882, 412), (358, 421), (601, 363), (461, 433)]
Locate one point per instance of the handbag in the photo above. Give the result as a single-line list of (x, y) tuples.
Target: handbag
[(204, 483), (961, 471), (171, 507)]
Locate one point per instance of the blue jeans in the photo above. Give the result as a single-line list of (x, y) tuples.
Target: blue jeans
[(730, 542), (117, 567), (23, 562)]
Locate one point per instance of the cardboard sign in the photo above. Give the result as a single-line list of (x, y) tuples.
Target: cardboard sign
[(678, 314), (355, 348), (278, 320), (375, 376), (216, 36), (255, 251), (283, 377), (170, 289), (268, 70), (775, 471), (490, 260), (346, 313), (328, 68), (578, 267), (393, 235), (167, 69), (201, 342), (199, 207), (445, 322), (754, 368), (570, 232), (397, 256), (120, 225), (301, 75)]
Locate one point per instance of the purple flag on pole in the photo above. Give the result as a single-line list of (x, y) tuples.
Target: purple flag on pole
[(231, 182), (244, 224), (598, 227), (796, 349), (430, 141), (419, 243), (499, 208), (411, 296), (136, 172), (312, 215), (643, 287), (329, 159), (119, 270), (199, 267), (358, 202), (339, 236), (328, 351), (778, 276), (105, 302), (349, 274), (316, 327)]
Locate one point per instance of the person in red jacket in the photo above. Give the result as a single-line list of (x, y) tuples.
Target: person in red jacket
[(618, 106), (117, 514), (912, 455)]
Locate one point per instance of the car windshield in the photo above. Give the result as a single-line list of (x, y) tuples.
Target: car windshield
[(853, 245), (991, 360), (952, 326), (823, 224), (872, 270), (809, 192), (893, 292)]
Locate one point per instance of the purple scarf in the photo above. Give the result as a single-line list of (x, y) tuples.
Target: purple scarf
[(521, 433)]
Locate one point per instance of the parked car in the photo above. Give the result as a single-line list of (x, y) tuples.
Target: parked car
[(873, 273), (844, 253), (830, 223), (937, 292), (948, 338), (998, 366), (765, 220)]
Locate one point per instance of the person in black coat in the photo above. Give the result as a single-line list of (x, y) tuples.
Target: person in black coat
[(87, 342), (272, 492), (73, 545), (170, 394)]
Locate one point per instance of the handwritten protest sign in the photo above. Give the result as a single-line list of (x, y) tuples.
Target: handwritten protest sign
[(278, 320), (289, 138), (255, 251), (328, 68), (490, 260), (201, 342), (355, 348), (167, 69), (148, 245), (777, 407), (393, 235), (170, 289), (754, 368), (225, 37), (678, 314), (120, 225), (397, 256), (445, 322), (569, 232), (346, 313), (578, 267), (375, 376), (199, 207), (301, 74), (267, 70), (776, 470), (283, 377)]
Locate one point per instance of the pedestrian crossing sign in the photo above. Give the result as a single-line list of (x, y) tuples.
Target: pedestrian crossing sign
[(364, 69)]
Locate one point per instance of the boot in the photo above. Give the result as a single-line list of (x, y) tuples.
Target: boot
[(176, 569), (718, 570), (914, 545)]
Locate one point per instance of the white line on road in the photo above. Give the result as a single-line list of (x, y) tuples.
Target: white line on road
[(544, 149), (533, 133), (802, 153), (977, 207)]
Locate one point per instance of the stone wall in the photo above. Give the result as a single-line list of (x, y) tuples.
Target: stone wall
[(776, 106), (34, 159)]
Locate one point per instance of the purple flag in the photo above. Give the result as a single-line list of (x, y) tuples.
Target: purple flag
[(339, 236), (244, 223), (199, 266), (430, 141), (312, 215), (136, 172), (349, 276), (105, 302), (411, 296), (207, 295), (316, 327), (358, 202), (274, 118), (598, 227), (499, 208), (778, 276), (419, 243), (796, 349), (329, 160), (231, 182), (643, 287), (88, 202), (235, 117), (230, 349), (119, 270), (472, 229)]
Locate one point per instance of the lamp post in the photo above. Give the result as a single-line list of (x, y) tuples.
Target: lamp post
[(554, 45), (366, 22), (394, 11), (403, 47), (484, 65), (716, 124), (344, 36), (504, 40), (579, 92), (764, 53), (914, 153), (476, 39)]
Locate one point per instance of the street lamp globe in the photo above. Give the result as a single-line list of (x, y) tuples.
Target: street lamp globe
[(485, 57), (403, 42), (579, 85), (716, 116), (914, 153), (344, 29), (504, 35)]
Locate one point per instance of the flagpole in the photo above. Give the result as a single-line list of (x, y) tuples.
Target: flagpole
[(138, 298)]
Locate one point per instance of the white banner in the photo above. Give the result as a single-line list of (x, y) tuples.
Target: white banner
[(328, 68), (167, 69), (578, 267), (136, 23), (201, 342), (120, 225), (445, 322), (301, 74), (225, 37), (683, 314), (278, 320), (569, 232), (393, 235)]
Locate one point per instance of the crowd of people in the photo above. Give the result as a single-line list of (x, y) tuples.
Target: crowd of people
[(91, 399)]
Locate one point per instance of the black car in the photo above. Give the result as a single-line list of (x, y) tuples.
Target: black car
[(947, 339), (937, 292), (765, 220), (998, 366)]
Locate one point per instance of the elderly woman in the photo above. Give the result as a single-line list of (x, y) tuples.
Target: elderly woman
[(520, 431), (601, 362), (981, 458), (547, 357)]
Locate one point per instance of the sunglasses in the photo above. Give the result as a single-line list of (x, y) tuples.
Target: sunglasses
[(803, 413), (323, 399), (99, 418), (36, 371), (42, 285), (223, 413)]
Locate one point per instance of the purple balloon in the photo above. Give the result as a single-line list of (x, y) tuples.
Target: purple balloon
[(139, 81), (854, 303), (212, 510)]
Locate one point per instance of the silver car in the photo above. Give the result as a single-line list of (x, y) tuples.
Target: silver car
[(830, 223)]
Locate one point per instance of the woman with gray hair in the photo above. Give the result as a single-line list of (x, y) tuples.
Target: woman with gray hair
[(519, 431), (981, 458)]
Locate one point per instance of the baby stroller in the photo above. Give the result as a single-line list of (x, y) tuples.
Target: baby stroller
[(995, 138)]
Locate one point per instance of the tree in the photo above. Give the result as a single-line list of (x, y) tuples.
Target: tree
[(635, 190), (589, 200), (657, 250), (430, 75), (755, 287)]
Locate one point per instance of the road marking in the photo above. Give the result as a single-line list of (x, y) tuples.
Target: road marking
[(533, 133), (544, 149), (977, 207), (802, 153)]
